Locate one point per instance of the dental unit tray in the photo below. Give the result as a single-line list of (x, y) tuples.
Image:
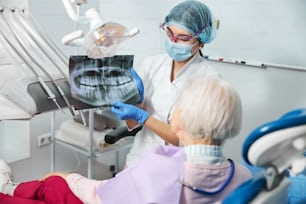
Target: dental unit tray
[(28, 94), (40, 80)]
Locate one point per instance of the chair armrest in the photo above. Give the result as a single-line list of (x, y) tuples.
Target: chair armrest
[(120, 132)]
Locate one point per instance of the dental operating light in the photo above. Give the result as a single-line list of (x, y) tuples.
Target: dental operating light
[(102, 39)]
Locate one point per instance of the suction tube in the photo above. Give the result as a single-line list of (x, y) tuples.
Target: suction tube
[(44, 85)]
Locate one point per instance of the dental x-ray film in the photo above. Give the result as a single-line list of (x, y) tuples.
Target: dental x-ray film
[(98, 83)]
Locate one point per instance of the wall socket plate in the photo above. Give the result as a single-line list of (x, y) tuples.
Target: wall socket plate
[(44, 140)]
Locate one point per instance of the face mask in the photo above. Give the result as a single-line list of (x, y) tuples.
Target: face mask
[(178, 51)]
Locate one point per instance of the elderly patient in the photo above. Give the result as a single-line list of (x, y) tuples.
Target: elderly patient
[(206, 114)]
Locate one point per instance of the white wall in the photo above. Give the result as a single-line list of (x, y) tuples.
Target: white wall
[(271, 31)]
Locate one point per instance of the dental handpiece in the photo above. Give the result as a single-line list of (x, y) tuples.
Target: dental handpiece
[(65, 99), (49, 93), (46, 88), (32, 35)]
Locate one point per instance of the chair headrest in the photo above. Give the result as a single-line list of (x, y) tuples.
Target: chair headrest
[(288, 127)]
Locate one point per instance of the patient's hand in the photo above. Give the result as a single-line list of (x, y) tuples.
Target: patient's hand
[(61, 174)]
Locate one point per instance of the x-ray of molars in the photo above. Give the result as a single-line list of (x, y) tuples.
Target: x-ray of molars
[(100, 82)]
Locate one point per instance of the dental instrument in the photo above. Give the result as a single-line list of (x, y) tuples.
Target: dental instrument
[(37, 40), (31, 22), (22, 46), (35, 26)]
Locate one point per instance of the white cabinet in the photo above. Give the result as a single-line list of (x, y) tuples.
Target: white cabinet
[(14, 140)]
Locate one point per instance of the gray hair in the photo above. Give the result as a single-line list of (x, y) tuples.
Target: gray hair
[(210, 108)]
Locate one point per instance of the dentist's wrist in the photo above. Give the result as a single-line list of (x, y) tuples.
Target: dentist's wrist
[(142, 116)]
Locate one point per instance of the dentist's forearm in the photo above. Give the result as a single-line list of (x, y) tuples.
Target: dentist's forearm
[(162, 129)]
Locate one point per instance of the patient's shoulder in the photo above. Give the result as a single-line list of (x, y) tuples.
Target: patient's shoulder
[(242, 172)]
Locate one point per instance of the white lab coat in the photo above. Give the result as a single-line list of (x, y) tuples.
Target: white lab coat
[(160, 94)]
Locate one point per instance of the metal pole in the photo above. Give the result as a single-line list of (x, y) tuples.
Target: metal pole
[(53, 141), (91, 146)]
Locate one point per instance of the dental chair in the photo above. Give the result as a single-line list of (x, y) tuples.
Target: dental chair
[(277, 147)]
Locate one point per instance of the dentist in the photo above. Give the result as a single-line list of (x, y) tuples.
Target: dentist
[(187, 28)]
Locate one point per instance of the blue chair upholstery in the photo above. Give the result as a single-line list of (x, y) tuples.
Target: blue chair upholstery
[(271, 181), (293, 118), (297, 190)]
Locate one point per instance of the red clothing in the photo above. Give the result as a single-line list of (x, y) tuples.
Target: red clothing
[(53, 190)]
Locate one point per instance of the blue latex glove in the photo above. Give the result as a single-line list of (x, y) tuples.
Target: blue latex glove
[(139, 84), (125, 111)]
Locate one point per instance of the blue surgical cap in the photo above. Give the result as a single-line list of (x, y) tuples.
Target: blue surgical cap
[(194, 17)]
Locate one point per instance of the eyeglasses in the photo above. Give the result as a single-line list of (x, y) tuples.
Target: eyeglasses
[(175, 38)]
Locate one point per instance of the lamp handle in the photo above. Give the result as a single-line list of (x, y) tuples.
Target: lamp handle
[(74, 39), (72, 14), (133, 32)]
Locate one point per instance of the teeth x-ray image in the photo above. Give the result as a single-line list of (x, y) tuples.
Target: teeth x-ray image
[(100, 82)]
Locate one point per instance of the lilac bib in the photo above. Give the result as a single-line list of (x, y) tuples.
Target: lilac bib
[(153, 179)]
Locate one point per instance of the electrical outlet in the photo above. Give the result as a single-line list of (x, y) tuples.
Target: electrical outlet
[(44, 140)]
